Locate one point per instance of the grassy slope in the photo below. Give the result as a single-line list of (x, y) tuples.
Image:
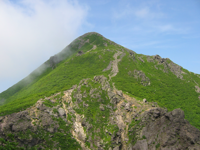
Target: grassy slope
[(68, 72), (166, 89)]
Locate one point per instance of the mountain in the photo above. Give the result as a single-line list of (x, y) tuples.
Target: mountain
[(96, 94)]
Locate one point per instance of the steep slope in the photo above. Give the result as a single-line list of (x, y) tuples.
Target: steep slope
[(95, 115), (51, 64), (101, 86)]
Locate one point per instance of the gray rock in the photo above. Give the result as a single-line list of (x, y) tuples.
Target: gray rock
[(120, 93), (51, 130), (167, 128), (101, 108), (145, 81), (108, 67), (116, 148), (144, 100), (61, 112), (128, 106), (141, 59), (175, 69), (141, 145), (115, 100)]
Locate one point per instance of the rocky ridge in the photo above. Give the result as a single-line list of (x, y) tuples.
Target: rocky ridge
[(126, 123), (94, 114)]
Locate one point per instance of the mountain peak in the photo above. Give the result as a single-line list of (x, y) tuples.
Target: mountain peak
[(96, 94)]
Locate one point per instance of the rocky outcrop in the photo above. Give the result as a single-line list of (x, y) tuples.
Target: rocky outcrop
[(150, 59), (140, 76), (159, 129), (96, 115), (174, 68)]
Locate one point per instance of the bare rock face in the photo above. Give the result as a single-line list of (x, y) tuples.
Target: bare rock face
[(163, 129), (61, 112), (176, 69), (144, 100), (150, 59), (139, 75), (141, 145)]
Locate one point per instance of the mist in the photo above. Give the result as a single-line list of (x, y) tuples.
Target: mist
[(32, 31)]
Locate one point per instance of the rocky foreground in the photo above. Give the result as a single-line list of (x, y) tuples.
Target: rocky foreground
[(95, 115)]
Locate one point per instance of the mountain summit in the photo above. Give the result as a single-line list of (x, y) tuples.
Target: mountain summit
[(96, 94)]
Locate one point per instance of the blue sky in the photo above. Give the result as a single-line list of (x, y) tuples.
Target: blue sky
[(32, 31)]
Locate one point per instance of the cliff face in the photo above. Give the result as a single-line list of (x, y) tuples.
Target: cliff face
[(95, 115)]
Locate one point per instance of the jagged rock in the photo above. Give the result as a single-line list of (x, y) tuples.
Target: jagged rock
[(148, 127), (115, 100), (116, 148), (111, 94), (166, 128), (139, 75), (144, 100), (120, 93), (128, 106), (101, 79), (61, 112), (140, 145), (150, 59), (176, 69), (199, 97), (101, 108), (51, 130)]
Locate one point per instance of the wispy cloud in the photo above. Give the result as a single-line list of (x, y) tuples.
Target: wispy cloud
[(146, 17), (32, 31)]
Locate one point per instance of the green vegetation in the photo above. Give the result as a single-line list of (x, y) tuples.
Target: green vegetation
[(65, 139), (165, 88), (90, 107), (158, 145), (68, 73)]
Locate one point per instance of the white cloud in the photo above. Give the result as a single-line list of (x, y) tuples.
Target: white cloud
[(32, 31)]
